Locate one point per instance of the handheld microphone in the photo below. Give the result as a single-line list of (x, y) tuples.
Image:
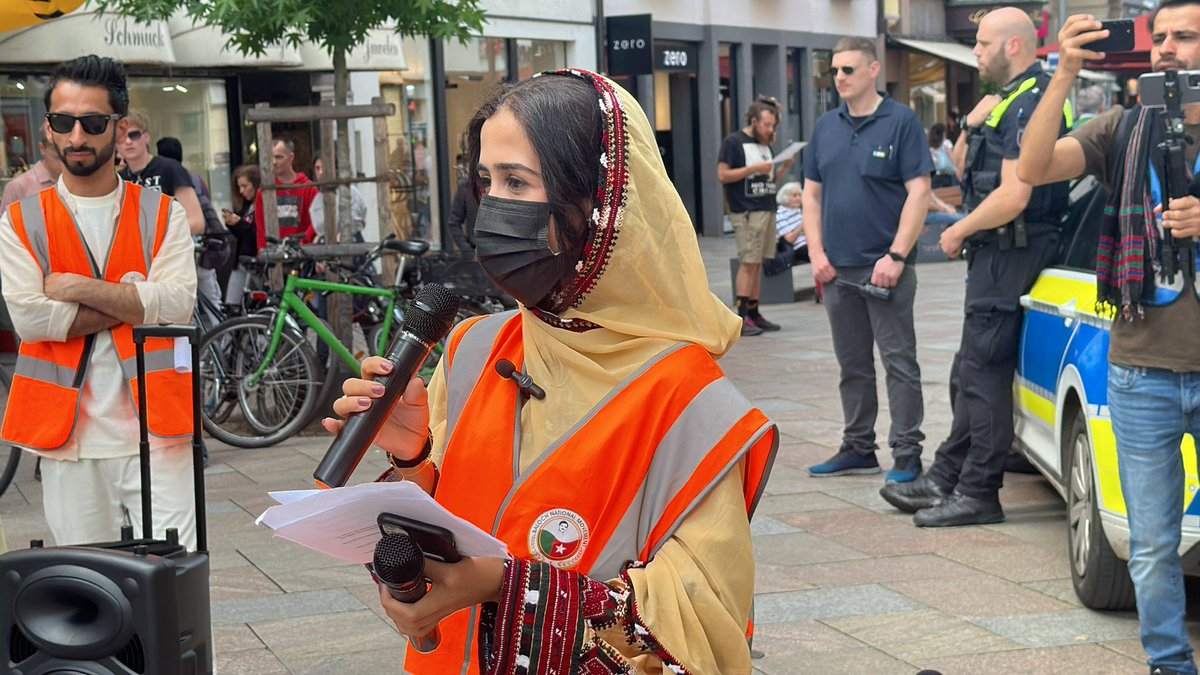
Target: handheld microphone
[(399, 564), (429, 318), (525, 383), (867, 290)]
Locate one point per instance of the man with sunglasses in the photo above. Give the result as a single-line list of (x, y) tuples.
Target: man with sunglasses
[(866, 194), (160, 173), (82, 263), (1011, 232)]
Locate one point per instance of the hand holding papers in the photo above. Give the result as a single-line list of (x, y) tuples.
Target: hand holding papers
[(788, 152), (341, 522)]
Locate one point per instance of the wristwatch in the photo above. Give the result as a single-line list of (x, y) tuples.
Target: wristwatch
[(895, 256)]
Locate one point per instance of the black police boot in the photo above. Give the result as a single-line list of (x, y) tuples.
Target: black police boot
[(959, 509), (913, 496)]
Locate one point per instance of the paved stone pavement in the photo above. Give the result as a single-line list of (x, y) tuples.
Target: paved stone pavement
[(844, 583)]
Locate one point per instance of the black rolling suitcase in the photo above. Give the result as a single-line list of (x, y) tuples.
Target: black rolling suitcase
[(135, 606)]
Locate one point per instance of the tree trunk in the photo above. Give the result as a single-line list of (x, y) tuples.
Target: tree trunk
[(340, 305)]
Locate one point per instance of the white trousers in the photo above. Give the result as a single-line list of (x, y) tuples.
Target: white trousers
[(206, 280), (87, 501)]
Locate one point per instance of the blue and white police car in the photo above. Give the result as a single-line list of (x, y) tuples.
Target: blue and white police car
[(1062, 421)]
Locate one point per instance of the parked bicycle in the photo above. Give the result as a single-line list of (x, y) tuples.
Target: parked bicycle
[(265, 366)]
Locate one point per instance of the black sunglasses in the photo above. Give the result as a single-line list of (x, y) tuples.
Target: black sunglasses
[(135, 134), (93, 125), (846, 70)]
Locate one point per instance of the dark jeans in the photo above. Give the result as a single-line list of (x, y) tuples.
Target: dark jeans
[(858, 324), (972, 458)]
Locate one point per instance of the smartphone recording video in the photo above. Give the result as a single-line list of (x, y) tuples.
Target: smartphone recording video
[(1120, 37)]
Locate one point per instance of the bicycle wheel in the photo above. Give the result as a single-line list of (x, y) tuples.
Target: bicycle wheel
[(275, 407)]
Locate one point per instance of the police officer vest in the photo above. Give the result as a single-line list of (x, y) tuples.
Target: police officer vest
[(985, 150), (46, 386), (613, 490)]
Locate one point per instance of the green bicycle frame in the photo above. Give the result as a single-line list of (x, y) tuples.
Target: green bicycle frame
[(292, 302)]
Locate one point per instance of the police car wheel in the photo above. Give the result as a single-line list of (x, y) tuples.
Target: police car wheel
[(1101, 579)]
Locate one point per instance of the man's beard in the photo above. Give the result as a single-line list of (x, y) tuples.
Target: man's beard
[(997, 70), (102, 157)]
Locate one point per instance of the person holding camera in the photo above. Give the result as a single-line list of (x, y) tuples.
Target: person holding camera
[(866, 191), (1011, 234), (1154, 348)]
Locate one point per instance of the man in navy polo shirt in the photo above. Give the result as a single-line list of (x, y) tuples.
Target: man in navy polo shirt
[(866, 194)]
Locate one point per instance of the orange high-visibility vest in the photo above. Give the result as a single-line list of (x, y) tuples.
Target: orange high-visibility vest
[(44, 400), (612, 491)]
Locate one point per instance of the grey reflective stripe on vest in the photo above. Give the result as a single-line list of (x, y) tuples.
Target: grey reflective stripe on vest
[(35, 229), (148, 207), (157, 360), (465, 369), (45, 371)]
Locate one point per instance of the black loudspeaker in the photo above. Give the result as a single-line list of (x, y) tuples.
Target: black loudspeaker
[(135, 606), (130, 607)]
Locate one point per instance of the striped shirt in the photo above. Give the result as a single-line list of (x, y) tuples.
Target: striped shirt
[(788, 220)]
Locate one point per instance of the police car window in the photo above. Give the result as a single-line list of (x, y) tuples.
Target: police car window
[(1082, 224)]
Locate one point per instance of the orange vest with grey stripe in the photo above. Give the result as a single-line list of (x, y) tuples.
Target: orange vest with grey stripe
[(612, 490), (44, 401)]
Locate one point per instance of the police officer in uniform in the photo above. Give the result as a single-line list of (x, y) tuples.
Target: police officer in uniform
[(1009, 235)]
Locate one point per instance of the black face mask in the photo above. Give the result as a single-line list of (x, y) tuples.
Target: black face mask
[(511, 240)]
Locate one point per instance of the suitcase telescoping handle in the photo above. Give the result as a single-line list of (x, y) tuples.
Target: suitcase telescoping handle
[(192, 333)]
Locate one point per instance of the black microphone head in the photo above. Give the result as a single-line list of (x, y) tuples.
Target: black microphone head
[(398, 560), (505, 368), (431, 314)]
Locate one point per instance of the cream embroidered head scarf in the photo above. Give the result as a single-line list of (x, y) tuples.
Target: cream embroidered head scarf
[(640, 287)]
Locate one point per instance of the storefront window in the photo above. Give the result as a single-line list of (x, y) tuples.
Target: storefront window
[(535, 56), (472, 70), (411, 158), (22, 111), (194, 111), (794, 96), (727, 64), (927, 87), (825, 96)]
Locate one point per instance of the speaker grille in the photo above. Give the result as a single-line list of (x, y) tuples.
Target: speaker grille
[(19, 646), (133, 655)]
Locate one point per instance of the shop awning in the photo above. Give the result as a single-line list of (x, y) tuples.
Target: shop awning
[(201, 46), (85, 31), (383, 50), (950, 51)]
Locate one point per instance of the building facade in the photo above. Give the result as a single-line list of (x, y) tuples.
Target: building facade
[(700, 63), (196, 90)]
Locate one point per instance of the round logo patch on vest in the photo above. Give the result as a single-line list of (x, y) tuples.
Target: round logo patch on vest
[(133, 277), (559, 537)]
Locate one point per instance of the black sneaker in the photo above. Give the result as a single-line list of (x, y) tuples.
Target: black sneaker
[(749, 327), (761, 321), (959, 509)]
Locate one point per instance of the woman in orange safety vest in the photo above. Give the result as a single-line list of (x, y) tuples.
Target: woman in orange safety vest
[(624, 495)]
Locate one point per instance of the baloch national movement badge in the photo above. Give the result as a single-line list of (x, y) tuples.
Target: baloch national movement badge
[(559, 537)]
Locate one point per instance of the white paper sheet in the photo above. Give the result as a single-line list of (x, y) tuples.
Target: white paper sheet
[(341, 522), (788, 152)]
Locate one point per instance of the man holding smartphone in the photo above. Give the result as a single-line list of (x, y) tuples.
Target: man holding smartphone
[(1154, 349)]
